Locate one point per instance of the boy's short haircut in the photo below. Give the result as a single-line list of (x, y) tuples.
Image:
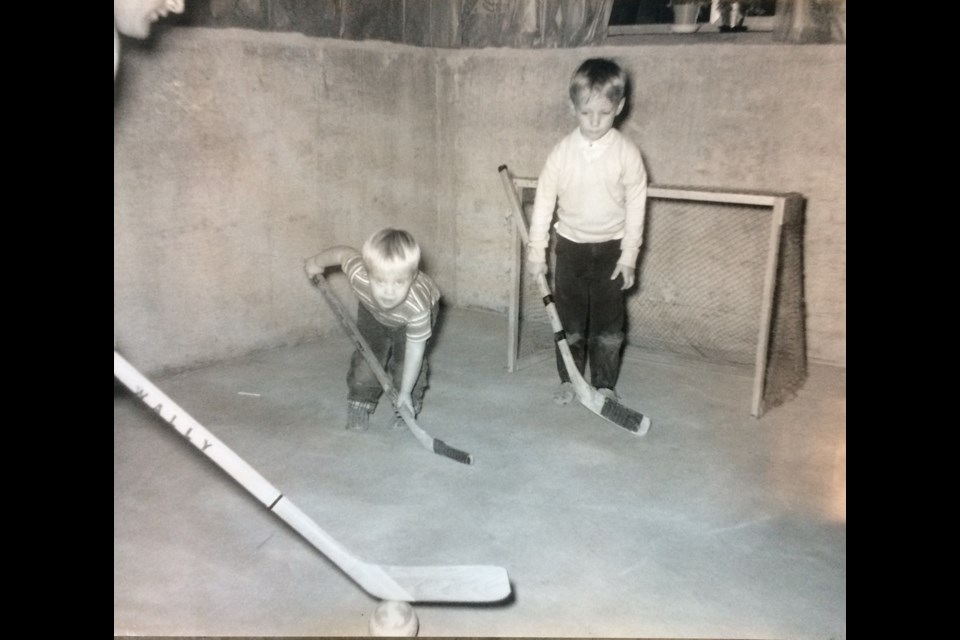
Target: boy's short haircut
[(598, 75), (391, 249)]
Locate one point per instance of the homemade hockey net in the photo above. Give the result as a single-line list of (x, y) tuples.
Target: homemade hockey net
[(719, 280)]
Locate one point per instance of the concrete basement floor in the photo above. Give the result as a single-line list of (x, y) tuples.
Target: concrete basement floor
[(715, 525)]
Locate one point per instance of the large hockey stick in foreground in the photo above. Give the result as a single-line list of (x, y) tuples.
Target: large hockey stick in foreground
[(409, 584), (589, 397), (429, 442)]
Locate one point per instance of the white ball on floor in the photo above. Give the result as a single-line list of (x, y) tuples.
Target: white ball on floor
[(397, 619)]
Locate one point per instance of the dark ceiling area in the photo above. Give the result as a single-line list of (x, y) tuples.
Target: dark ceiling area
[(431, 23)]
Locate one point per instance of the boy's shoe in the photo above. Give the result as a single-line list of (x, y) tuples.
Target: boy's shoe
[(358, 415), (609, 393), (564, 393)]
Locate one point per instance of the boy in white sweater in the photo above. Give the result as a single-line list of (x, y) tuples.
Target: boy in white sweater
[(596, 180)]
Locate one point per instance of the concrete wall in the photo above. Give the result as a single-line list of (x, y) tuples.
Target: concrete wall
[(238, 153), (768, 117)]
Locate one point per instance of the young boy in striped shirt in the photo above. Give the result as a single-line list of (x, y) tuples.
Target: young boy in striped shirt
[(397, 311)]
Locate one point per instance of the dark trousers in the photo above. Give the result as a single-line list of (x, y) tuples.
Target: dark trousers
[(591, 308), (388, 346)]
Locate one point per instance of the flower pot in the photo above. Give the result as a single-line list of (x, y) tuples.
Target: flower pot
[(685, 17)]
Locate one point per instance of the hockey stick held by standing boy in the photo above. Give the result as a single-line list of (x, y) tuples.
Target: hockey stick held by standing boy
[(605, 407)]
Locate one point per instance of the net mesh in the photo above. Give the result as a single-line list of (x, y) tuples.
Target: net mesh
[(534, 334), (786, 366), (699, 288), (700, 292)]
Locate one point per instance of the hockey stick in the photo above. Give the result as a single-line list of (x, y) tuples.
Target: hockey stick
[(429, 442), (457, 583), (589, 397)]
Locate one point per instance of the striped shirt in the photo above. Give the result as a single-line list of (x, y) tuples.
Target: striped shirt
[(415, 312)]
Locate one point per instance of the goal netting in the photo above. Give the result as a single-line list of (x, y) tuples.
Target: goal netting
[(719, 280)]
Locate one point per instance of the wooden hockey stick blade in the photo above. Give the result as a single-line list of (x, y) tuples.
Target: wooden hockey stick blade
[(607, 408), (436, 445), (429, 442), (455, 583)]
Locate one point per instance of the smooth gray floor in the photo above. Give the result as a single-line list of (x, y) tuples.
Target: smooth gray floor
[(715, 525)]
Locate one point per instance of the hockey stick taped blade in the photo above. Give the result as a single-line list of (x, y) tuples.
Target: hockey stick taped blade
[(481, 583), (442, 448), (625, 417), (611, 410)]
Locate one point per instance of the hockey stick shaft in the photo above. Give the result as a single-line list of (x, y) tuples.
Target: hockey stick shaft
[(429, 442), (606, 408), (542, 284), (456, 583)]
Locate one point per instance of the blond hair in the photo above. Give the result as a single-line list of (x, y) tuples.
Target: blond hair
[(391, 249), (598, 76)]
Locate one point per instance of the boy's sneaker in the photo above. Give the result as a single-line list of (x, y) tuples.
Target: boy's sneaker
[(564, 393), (609, 393), (358, 415)]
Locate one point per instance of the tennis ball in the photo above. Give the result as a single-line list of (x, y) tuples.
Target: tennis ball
[(392, 618)]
